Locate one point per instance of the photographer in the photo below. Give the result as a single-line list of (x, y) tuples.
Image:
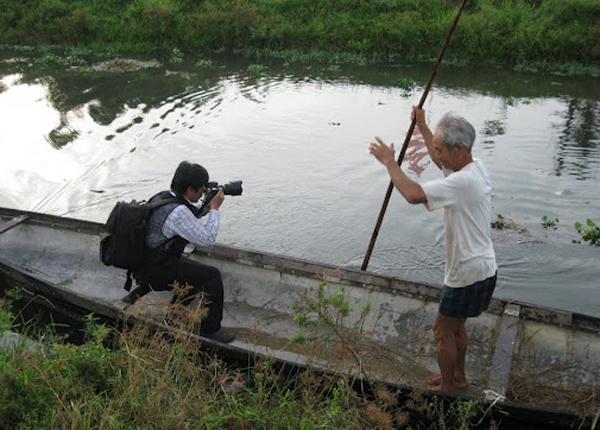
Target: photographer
[(171, 228)]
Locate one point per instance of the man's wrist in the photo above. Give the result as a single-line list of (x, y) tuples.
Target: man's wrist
[(390, 163)]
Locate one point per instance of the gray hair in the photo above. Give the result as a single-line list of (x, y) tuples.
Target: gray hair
[(455, 129)]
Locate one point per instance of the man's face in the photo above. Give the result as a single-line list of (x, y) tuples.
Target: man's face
[(194, 195), (441, 152)]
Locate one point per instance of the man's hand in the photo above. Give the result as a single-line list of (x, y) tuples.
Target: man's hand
[(217, 200), (384, 153), (412, 192), (419, 116)]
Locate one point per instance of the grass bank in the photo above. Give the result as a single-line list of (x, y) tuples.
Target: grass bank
[(137, 378), (550, 33)]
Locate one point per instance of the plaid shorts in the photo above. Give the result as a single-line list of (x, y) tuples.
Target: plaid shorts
[(469, 301)]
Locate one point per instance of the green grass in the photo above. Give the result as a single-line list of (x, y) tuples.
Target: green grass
[(138, 378), (559, 33)]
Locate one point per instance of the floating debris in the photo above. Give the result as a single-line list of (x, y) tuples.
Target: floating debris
[(125, 65)]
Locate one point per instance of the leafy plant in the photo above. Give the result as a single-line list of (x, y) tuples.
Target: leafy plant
[(6, 320), (549, 222), (324, 320), (95, 331), (589, 232)]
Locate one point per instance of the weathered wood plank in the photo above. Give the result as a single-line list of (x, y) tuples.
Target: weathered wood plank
[(504, 351), (12, 223)]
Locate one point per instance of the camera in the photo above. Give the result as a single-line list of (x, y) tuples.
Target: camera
[(233, 188)]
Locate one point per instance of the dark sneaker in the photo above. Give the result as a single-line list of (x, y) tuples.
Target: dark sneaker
[(220, 336), (134, 295), (130, 298)]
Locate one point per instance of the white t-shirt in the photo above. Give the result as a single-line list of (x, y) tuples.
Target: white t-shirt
[(466, 198)]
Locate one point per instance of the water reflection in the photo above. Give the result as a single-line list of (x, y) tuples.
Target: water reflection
[(577, 150)]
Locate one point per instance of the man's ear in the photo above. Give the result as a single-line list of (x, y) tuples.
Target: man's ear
[(460, 146)]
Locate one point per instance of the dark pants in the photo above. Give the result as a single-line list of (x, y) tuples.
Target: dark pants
[(202, 278)]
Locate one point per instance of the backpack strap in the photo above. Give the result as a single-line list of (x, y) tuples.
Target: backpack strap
[(166, 196), (159, 203)]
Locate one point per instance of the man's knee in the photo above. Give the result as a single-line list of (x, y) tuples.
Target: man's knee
[(440, 330), (441, 334), (214, 281), (448, 326), (216, 275)]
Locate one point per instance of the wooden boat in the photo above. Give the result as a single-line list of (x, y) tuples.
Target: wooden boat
[(535, 366)]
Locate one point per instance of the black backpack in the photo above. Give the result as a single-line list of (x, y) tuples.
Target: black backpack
[(124, 243)]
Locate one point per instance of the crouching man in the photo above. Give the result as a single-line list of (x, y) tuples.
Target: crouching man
[(171, 227)]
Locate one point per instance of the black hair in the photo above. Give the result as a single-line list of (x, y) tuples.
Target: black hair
[(188, 175)]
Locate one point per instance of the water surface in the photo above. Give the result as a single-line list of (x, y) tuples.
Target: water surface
[(75, 141)]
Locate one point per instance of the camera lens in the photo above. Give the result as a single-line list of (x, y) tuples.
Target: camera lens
[(233, 188)]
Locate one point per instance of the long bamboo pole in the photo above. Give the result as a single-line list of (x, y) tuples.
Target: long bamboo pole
[(411, 129)]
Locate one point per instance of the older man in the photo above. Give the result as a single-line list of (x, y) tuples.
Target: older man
[(471, 270)]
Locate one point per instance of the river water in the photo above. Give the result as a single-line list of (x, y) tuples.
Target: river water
[(76, 139)]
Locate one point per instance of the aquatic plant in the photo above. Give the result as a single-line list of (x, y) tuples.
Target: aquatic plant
[(589, 232), (500, 223), (548, 222)]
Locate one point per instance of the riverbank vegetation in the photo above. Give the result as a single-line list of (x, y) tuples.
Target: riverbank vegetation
[(554, 35), (142, 378)]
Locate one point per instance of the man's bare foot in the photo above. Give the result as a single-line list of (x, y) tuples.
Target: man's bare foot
[(436, 380), (461, 383), (442, 389)]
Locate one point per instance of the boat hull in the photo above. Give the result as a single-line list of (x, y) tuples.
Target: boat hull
[(56, 260)]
